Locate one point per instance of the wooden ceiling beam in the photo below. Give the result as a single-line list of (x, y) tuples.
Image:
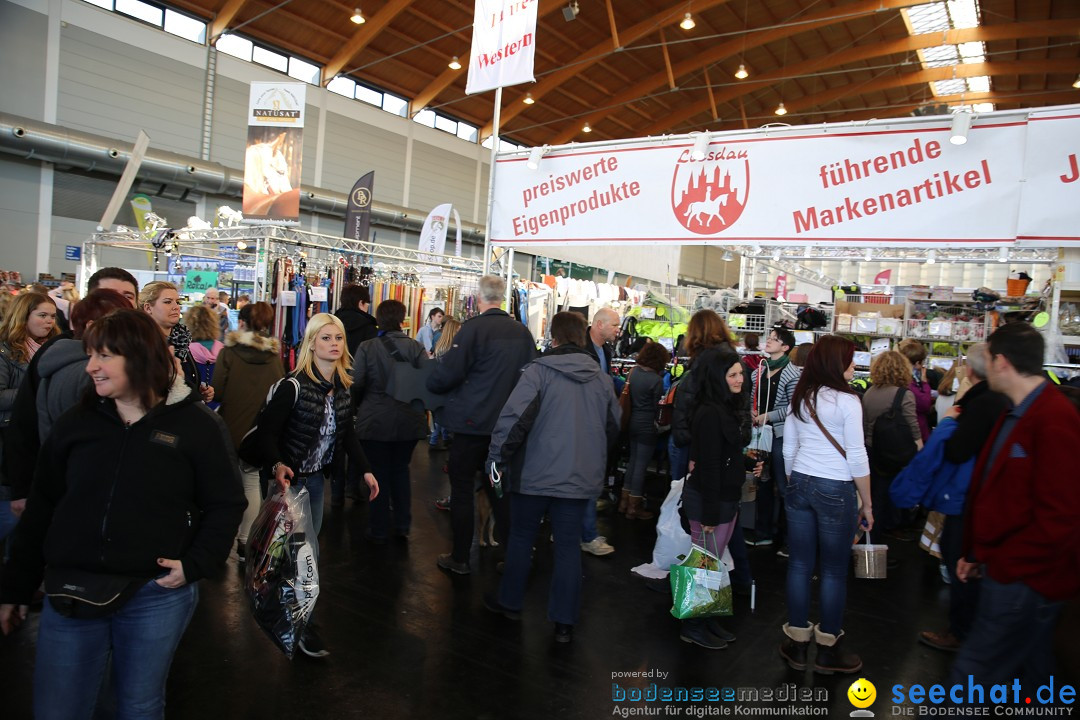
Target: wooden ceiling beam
[(362, 37), (445, 79), (1047, 28), (738, 45), (599, 51), (223, 18), (929, 75)]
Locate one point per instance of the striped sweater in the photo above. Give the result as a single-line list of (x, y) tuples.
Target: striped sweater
[(787, 379)]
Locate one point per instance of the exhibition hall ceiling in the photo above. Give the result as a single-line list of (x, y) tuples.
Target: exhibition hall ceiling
[(628, 68)]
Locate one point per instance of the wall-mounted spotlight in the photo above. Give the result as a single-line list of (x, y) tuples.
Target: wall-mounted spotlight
[(776, 256), (570, 12), (931, 257), (1003, 255), (961, 123), (534, 157), (701, 145), (727, 256)]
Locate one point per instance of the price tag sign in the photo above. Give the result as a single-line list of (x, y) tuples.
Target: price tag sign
[(317, 293)]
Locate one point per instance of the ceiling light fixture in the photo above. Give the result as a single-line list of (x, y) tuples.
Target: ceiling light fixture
[(534, 157), (780, 109), (1076, 82), (961, 123), (931, 257), (701, 145), (241, 245), (688, 22), (528, 100), (454, 64), (776, 256), (869, 255), (570, 12), (741, 72), (358, 17), (1003, 255), (727, 256), (586, 128)]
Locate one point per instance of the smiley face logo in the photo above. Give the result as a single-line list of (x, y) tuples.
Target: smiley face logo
[(862, 693)]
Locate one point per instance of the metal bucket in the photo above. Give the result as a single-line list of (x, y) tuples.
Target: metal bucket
[(870, 560)]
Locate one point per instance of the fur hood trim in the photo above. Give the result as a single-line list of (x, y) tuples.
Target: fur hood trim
[(253, 340)]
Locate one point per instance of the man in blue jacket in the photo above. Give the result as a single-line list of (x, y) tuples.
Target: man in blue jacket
[(477, 375)]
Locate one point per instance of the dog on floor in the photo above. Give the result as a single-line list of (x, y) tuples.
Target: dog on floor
[(485, 520)]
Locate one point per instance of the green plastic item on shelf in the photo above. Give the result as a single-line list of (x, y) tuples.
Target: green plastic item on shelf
[(1041, 320)]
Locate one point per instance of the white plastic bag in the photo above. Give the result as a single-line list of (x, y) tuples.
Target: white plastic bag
[(282, 574), (672, 542)]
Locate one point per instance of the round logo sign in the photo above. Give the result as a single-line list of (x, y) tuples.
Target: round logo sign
[(708, 195), (361, 197)]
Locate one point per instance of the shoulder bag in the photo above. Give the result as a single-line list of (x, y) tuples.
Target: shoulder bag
[(625, 405), (826, 433)]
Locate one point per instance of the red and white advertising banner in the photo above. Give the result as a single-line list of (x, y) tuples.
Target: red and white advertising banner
[(900, 184), (503, 45), (1050, 198), (780, 291), (272, 159)]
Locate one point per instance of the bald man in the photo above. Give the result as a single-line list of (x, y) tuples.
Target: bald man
[(604, 331)]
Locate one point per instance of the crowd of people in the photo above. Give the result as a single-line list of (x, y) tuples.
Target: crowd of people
[(94, 393)]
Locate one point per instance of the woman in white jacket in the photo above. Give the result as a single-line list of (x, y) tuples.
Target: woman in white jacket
[(826, 464)]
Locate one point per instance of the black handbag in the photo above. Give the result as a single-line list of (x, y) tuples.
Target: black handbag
[(87, 595)]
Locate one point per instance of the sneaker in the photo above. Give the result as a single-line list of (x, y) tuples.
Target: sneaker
[(763, 542), (492, 603), (443, 503), (311, 644), (783, 551), (447, 562), (598, 546), (563, 633), (940, 641)]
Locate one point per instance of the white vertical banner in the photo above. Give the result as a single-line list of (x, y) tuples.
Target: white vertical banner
[(1050, 193), (433, 235), (503, 46)]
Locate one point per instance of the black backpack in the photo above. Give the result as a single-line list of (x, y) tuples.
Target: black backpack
[(893, 447)]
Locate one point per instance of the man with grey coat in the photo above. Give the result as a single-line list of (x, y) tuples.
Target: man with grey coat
[(551, 443)]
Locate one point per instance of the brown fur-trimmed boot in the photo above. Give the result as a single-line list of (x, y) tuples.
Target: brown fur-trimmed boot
[(636, 509), (831, 656), (624, 501), (795, 645)]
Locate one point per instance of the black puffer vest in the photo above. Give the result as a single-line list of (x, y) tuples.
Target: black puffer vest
[(302, 431)]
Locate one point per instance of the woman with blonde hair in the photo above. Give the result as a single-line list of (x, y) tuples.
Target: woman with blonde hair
[(439, 436), (161, 301), (307, 429), (30, 322), (890, 375), (205, 346)]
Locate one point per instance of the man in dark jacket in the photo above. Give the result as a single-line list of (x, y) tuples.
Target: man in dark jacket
[(1023, 509), (602, 333), (477, 375), (556, 469), (353, 313)]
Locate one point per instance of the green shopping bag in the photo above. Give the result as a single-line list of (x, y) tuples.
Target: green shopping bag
[(700, 585)]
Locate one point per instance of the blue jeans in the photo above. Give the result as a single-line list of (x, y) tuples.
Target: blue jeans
[(1012, 636), (678, 459), (315, 485), (822, 514), (140, 639), (8, 521), (588, 522), (963, 596), (390, 465), (526, 512), (438, 432), (640, 455)]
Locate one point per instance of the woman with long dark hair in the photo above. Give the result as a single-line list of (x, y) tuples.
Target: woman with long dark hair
[(646, 389), (720, 426), (826, 463), (136, 498), (245, 370)]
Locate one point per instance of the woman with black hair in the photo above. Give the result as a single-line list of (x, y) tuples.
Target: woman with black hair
[(826, 462), (136, 497), (720, 429)]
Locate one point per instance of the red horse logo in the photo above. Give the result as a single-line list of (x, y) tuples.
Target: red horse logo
[(709, 196)]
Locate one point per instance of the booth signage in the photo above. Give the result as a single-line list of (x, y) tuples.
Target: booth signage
[(199, 281), (902, 184), (275, 144), (72, 252), (503, 46)]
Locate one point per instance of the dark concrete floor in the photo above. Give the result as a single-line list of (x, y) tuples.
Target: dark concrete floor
[(410, 641)]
